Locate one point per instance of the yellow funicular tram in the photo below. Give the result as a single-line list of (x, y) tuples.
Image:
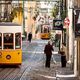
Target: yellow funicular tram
[(10, 44), (45, 31)]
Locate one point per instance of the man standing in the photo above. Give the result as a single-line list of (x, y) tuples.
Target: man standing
[(48, 51), (30, 37)]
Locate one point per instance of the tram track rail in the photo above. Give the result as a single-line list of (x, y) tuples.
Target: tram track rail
[(4, 73), (21, 72), (16, 73), (31, 66), (1, 69)]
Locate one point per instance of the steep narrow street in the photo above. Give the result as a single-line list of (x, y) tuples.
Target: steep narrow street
[(32, 67), (38, 70)]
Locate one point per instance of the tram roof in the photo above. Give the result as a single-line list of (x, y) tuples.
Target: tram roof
[(8, 24), (10, 28)]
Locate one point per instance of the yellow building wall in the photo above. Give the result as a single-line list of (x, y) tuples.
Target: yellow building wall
[(30, 23), (19, 18)]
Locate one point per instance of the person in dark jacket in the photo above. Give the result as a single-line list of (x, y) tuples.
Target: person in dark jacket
[(29, 37), (63, 58), (48, 51)]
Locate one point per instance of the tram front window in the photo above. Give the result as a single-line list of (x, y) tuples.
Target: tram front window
[(45, 30), (0, 41), (17, 40), (8, 40)]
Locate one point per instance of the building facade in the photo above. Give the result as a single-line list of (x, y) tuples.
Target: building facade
[(77, 37), (5, 10), (74, 37)]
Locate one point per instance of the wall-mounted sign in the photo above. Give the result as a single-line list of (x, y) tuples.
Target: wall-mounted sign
[(57, 24)]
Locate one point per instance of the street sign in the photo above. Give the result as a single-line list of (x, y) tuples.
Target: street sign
[(57, 24), (66, 21)]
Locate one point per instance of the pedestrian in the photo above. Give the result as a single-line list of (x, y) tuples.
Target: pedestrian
[(48, 52), (29, 37), (63, 58)]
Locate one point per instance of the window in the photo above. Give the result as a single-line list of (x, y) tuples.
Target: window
[(64, 38), (0, 40), (17, 40), (45, 29), (8, 41)]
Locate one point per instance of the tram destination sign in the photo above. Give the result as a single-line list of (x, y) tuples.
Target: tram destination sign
[(57, 24)]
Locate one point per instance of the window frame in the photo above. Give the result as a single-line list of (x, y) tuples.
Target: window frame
[(20, 40), (8, 43)]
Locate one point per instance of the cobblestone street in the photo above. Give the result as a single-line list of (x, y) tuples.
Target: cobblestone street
[(39, 39), (42, 73), (33, 65)]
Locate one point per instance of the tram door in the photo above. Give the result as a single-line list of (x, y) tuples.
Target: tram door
[(17, 41)]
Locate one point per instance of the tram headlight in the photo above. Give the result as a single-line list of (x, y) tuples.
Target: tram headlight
[(0, 53), (8, 57)]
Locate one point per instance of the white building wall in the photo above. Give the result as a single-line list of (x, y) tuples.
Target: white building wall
[(70, 31), (72, 43)]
